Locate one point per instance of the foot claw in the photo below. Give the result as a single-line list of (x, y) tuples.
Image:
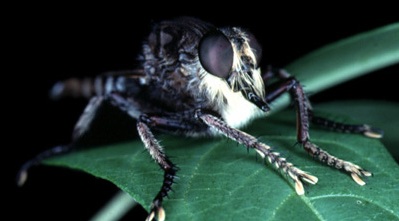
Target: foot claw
[(156, 210), (299, 187), (150, 216), (304, 177), (22, 177), (366, 173), (357, 179), (357, 172), (298, 176), (356, 176), (373, 132), (309, 178)]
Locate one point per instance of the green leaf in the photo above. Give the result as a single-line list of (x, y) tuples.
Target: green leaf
[(344, 60), (218, 179)]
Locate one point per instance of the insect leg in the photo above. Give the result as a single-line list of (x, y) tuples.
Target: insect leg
[(364, 129), (264, 150), (85, 120), (280, 87), (81, 127), (157, 153), (22, 174), (302, 105)]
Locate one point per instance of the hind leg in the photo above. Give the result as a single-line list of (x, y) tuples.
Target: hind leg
[(81, 127)]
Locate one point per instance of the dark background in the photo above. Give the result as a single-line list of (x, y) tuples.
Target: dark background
[(49, 43)]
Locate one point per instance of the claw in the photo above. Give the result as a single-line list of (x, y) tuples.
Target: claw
[(309, 178), (357, 172), (373, 132), (305, 177), (366, 173), (356, 176), (298, 176), (22, 177), (161, 214), (22, 174), (150, 216), (299, 187), (357, 179)]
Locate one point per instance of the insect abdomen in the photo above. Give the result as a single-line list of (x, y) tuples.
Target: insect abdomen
[(89, 87)]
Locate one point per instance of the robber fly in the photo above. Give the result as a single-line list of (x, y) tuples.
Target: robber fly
[(199, 80)]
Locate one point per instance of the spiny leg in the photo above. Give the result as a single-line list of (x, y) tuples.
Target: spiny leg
[(263, 150), (303, 110), (276, 89), (157, 153), (303, 137), (364, 129), (173, 122)]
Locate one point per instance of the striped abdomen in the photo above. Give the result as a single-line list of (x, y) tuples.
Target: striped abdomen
[(98, 86)]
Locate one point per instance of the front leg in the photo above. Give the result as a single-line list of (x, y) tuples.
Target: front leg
[(157, 153), (263, 150), (303, 137), (144, 123), (304, 116)]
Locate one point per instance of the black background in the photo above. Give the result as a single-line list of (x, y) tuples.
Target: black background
[(49, 43)]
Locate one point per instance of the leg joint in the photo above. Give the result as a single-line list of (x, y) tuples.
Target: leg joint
[(144, 118)]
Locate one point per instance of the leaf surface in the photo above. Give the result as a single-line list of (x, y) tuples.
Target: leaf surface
[(219, 179)]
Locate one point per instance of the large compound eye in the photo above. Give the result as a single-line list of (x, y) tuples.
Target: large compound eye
[(256, 48), (216, 54)]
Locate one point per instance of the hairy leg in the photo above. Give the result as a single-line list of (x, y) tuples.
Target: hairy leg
[(304, 116), (285, 84), (158, 154), (263, 150), (364, 129)]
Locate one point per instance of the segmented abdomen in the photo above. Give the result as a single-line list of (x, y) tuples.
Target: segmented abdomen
[(100, 85)]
